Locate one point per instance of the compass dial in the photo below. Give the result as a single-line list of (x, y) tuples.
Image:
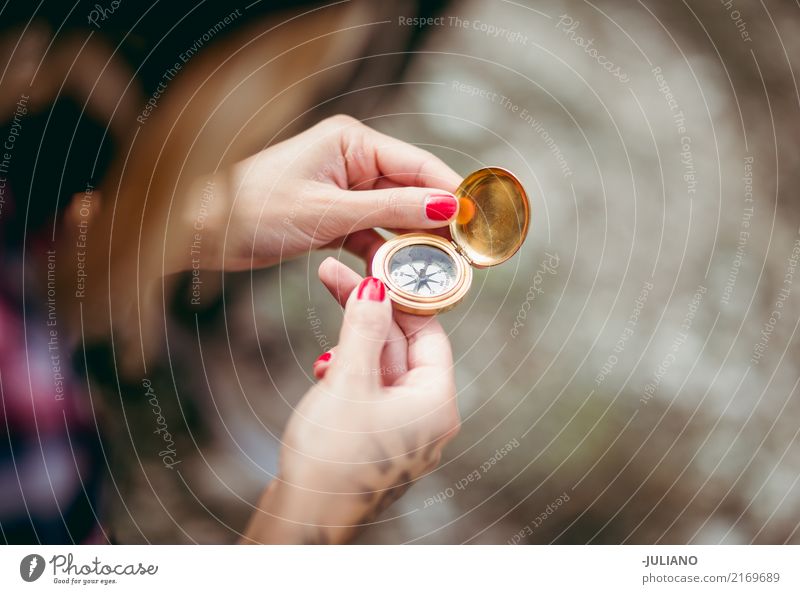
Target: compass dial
[(422, 270)]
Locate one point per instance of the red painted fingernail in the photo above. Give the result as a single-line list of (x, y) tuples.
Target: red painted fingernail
[(371, 288), (323, 357), (441, 207)]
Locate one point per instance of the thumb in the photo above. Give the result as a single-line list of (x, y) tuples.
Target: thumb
[(401, 207), (367, 319)]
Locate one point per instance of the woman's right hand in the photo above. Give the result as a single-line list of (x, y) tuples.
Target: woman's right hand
[(355, 444)]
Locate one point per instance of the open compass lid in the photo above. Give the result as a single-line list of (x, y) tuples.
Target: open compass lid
[(493, 216)]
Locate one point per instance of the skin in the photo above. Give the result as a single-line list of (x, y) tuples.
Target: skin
[(354, 445), (385, 404), (329, 186)]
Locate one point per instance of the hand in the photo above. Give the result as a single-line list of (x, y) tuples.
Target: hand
[(354, 445), (328, 187), (341, 281)]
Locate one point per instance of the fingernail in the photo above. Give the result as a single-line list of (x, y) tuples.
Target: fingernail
[(441, 207), (372, 289), (322, 358)]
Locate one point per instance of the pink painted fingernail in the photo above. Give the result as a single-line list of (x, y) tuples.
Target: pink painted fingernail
[(372, 289), (441, 207)]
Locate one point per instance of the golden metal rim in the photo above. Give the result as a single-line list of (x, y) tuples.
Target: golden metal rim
[(461, 192), (413, 303)]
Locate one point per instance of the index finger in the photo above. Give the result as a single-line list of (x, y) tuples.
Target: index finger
[(402, 162)]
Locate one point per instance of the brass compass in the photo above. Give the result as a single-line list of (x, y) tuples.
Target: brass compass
[(426, 274)]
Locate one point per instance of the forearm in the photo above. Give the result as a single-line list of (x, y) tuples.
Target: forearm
[(286, 515)]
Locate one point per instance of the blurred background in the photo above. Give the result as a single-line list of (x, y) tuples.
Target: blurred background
[(629, 377)]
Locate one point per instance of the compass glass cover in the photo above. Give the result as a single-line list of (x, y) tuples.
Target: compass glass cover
[(422, 270)]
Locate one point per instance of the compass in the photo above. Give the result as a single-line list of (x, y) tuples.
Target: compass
[(422, 270), (426, 274)]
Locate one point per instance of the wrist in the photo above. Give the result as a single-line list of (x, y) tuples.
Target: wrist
[(287, 514), (201, 225)]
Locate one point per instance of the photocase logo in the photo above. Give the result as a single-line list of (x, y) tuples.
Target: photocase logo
[(31, 567)]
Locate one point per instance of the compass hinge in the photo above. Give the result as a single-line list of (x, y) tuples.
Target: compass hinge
[(461, 252)]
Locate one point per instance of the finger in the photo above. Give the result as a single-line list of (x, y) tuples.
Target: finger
[(385, 184), (443, 232), (365, 328), (358, 243), (430, 372), (402, 163), (382, 183), (428, 345), (341, 281), (363, 244), (402, 207), (431, 347), (322, 363)]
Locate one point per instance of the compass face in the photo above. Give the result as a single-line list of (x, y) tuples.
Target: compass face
[(422, 270)]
